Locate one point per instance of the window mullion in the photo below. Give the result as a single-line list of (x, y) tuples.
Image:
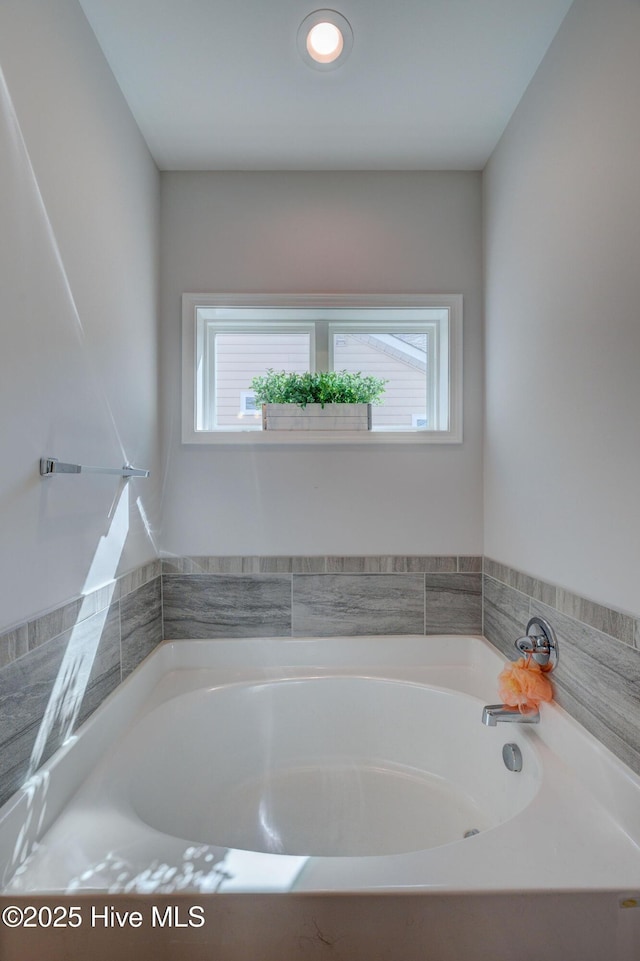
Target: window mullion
[(322, 359), (209, 383), (433, 375)]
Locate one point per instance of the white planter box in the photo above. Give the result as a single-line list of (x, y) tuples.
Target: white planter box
[(316, 417)]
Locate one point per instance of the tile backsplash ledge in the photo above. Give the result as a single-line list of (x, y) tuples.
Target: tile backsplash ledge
[(57, 668), (25, 637), (607, 620), (325, 596), (597, 680)]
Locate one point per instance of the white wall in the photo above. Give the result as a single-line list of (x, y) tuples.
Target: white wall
[(79, 201), (562, 247), (322, 232)]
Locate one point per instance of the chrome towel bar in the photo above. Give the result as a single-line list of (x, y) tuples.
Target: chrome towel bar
[(51, 465)]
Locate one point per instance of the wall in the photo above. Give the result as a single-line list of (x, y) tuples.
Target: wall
[(79, 206), (562, 237), (79, 195), (321, 232)]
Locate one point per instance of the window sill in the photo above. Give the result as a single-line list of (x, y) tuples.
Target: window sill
[(279, 438)]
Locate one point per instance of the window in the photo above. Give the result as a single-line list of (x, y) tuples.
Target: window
[(412, 342)]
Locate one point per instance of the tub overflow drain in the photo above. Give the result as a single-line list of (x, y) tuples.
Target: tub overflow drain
[(512, 757)]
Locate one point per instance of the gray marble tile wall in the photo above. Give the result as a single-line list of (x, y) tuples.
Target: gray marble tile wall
[(57, 669), (329, 595), (598, 675)]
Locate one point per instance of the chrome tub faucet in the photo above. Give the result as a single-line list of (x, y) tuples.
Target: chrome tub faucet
[(493, 714), (539, 643)]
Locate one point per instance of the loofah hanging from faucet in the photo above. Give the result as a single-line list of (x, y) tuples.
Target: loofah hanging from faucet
[(523, 684)]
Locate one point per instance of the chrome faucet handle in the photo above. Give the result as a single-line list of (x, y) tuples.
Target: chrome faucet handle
[(540, 642)]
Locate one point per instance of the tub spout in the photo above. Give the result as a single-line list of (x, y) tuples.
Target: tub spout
[(494, 713)]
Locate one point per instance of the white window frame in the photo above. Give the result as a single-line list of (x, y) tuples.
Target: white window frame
[(194, 351), (434, 401), (205, 361)]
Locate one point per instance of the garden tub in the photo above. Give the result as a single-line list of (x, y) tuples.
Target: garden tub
[(281, 771)]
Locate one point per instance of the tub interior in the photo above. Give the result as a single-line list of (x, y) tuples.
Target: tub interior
[(325, 767)]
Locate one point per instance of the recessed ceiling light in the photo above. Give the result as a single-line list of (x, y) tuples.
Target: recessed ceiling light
[(325, 39), (324, 42)]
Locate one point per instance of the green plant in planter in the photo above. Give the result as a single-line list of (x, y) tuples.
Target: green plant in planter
[(323, 387)]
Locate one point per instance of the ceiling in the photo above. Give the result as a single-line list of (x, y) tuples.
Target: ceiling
[(220, 85)]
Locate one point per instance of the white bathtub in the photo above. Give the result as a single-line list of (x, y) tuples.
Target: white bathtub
[(333, 766)]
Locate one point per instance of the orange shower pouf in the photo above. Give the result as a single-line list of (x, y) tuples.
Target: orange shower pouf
[(524, 685)]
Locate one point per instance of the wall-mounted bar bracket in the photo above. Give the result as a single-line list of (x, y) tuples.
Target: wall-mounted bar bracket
[(51, 465)]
